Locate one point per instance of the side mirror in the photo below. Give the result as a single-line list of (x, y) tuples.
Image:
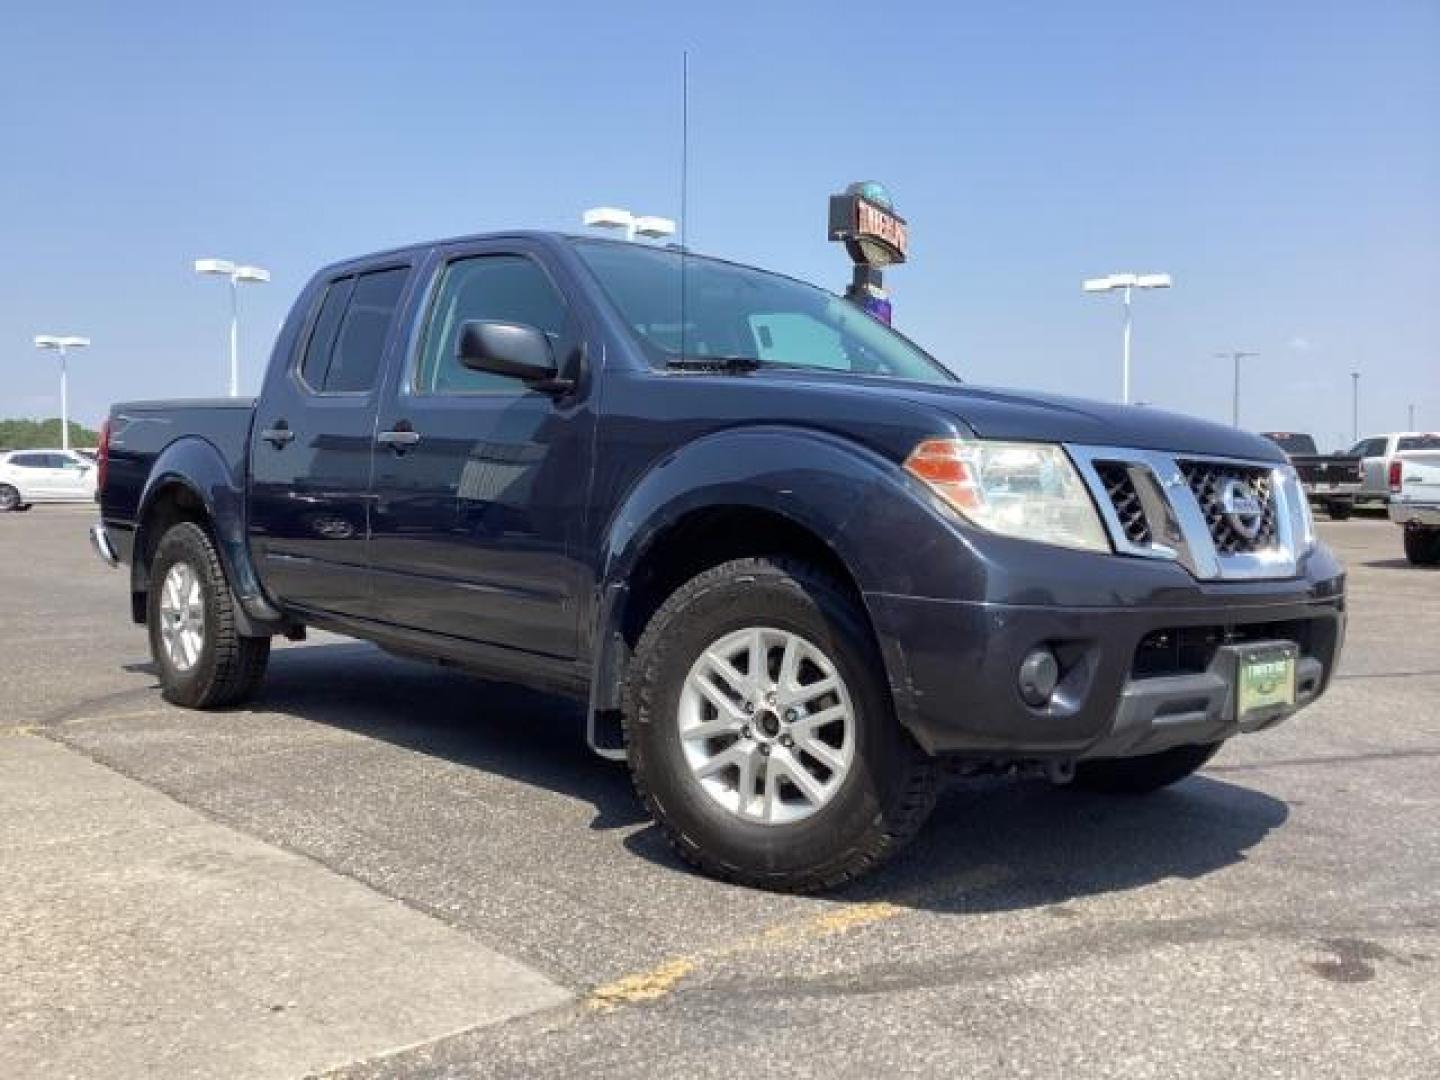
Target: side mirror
[(514, 350)]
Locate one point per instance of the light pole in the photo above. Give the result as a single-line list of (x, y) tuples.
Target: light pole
[(1236, 355), (1410, 426), (1354, 406), (236, 274), (1127, 282), (61, 344), (613, 217)]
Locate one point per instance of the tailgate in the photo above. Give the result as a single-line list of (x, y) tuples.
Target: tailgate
[(1420, 476), (1328, 471)]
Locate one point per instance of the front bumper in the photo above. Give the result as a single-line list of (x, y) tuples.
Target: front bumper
[(1414, 513), (1136, 677)]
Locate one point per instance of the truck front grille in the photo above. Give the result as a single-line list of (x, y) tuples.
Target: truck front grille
[(1220, 518), (1120, 487), (1210, 481)]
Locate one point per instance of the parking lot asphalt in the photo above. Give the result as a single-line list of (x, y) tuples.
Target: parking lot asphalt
[(1276, 915)]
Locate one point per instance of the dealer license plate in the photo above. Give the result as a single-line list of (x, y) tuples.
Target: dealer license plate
[(1267, 678)]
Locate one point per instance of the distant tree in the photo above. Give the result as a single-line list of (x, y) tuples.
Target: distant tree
[(28, 434)]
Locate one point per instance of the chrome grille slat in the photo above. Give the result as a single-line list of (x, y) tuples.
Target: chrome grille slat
[(1120, 487)]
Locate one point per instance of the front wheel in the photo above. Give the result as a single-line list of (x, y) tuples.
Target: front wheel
[(202, 658), (761, 735), (1142, 775), (1422, 546)]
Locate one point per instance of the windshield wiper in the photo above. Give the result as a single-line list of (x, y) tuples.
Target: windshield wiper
[(714, 363)]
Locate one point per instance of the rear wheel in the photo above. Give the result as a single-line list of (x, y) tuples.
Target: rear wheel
[(202, 658), (9, 498), (1339, 509), (1142, 775), (1422, 546), (761, 735)]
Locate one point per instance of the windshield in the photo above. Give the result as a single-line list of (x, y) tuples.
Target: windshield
[(734, 311)]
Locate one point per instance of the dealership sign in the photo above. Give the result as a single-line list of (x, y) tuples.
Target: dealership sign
[(863, 218), (865, 221)]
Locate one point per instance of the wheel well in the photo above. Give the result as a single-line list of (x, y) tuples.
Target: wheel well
[(705, 538), (170, 506)]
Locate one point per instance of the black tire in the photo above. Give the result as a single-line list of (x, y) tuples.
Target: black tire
[(1142, 775), (9, 498), (1339, 509), (1422, 546), (882, 800), (229, 667)]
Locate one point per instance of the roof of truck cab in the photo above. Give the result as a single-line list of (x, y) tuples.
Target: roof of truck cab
[(544, 236), (541, 235)]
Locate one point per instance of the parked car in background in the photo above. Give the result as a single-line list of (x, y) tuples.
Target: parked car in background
[(1376, 453), (34, 476), (1330, 480), (1414, 483)]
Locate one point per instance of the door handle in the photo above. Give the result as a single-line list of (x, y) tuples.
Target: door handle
[(398, 439), (278, 436)]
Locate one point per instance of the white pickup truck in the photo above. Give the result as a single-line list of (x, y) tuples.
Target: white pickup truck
[(1414, 481)]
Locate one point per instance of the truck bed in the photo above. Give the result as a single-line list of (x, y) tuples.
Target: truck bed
[(140, 431)]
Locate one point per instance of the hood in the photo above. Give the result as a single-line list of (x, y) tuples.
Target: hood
[(1008, 414)]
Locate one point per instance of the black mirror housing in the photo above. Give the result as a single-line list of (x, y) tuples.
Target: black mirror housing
[(514, 350)]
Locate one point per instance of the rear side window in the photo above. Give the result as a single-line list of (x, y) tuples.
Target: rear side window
[(348, 339), (30, 461), (322, 335), (1420, 442)]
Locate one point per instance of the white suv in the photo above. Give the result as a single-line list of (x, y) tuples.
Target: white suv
[(31, 476)]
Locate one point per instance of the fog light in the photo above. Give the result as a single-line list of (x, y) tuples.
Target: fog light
[(1039, 672)]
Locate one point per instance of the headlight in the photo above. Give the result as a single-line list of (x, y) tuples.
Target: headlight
[(1302, 517), (1028, 490)]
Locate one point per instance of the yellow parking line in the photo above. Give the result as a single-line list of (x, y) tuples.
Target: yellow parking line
[(654, 983), (658, 981), (642, 986)]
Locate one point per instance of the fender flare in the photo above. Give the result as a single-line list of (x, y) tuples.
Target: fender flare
[(816, 480), (196, 464)]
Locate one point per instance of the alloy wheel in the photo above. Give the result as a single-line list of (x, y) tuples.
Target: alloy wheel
[(767, 725)]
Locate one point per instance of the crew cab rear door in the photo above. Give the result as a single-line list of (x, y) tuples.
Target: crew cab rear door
[(312, 437), (480, 482)]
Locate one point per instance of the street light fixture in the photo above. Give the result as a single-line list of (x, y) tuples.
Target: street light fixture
[(237, 274), (62, 344), (613, 217), (1235, 355), (1127, 282)]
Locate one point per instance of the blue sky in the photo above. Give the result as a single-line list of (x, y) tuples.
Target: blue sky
[(1281, 160)]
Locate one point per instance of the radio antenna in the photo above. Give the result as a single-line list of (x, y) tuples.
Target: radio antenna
[(684, 185)]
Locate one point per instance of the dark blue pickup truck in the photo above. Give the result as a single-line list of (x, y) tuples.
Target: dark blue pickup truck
[(792, 563)]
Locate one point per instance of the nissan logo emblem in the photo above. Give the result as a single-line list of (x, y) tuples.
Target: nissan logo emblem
[(1241, 508)]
